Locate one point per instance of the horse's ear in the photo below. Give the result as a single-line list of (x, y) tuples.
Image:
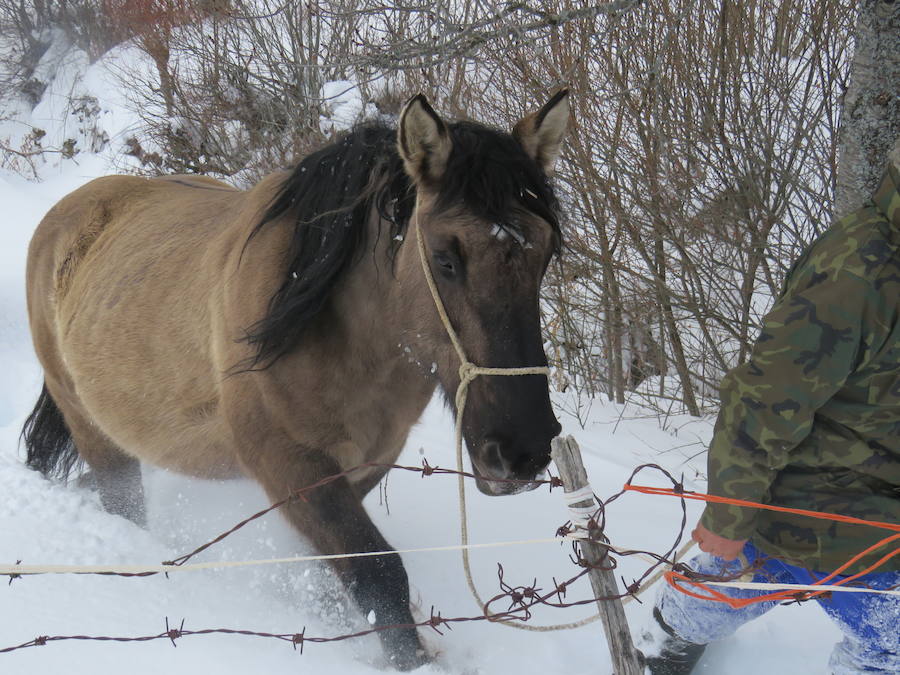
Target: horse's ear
[(423, 140), (541, 133)]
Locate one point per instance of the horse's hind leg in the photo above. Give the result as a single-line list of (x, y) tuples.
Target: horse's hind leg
[(57, 433), (120, 487), (116, 476)]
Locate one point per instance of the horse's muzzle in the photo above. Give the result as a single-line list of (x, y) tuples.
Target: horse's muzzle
[(494, 488), (500, 481)]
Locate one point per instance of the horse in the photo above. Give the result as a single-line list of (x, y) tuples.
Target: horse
[(287, 333)]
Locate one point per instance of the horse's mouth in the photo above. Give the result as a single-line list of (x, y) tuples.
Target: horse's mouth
[(499, 487)]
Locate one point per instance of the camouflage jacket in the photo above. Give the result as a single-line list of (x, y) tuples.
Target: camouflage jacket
[(812, 420)]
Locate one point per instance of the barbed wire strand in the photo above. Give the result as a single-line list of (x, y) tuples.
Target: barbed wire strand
[(521, 599)]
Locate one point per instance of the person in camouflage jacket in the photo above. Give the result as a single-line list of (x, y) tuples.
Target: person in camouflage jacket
[(811, 421)]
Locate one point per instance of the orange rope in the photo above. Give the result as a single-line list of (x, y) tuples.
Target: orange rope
[(699, 496), (673, 577)]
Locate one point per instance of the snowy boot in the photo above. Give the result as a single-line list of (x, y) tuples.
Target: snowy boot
[(667, 654)]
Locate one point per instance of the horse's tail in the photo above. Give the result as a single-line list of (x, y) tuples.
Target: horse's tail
[(47, 439)]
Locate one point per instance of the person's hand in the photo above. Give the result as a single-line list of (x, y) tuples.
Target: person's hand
[(729, 549)]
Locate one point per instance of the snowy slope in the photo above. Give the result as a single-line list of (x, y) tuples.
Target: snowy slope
[(41, 522)]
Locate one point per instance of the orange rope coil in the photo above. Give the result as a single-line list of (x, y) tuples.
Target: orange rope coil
[(673, 577)]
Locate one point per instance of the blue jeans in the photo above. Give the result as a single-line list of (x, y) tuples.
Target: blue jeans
[(870, 622)]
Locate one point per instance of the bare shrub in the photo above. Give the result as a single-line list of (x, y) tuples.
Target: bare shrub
[(241, 91), (700, 163)]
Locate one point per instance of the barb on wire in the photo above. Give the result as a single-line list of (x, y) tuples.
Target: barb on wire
[(13, 577)]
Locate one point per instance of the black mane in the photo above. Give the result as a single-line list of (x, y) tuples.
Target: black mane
[(331, 193)]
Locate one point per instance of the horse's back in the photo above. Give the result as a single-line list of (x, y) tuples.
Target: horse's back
[(68, 231), (60, 243), (105, 236), (122, 276)]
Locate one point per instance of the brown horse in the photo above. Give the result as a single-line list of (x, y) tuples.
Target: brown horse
[(287, 332)]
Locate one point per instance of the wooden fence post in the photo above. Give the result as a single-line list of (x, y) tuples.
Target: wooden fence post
[(625, 658)]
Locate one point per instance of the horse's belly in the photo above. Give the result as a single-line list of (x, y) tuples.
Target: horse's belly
[(203, 451), (156, 399), (179, 436), (135, 345)]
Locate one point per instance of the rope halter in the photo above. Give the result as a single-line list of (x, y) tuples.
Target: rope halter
[(468, 371)]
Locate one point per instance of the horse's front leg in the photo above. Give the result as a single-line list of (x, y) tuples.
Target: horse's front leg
[(332, 516)]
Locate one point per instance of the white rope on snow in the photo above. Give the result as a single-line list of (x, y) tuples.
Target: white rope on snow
[(23, 570), (221, 564)]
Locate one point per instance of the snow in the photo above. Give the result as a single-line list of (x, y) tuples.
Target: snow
[(83, 116), (345, 104), (44, 522)]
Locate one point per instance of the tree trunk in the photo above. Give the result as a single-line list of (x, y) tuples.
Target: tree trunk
[(871, 115)]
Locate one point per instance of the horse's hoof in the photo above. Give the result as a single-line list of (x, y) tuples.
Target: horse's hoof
[(407, 662), (405, 652)]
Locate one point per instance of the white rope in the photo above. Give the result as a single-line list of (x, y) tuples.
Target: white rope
[(468, 372), (585, 493), (762, 586), (190, 567), (23, 570), (581, 519), (581, 515)]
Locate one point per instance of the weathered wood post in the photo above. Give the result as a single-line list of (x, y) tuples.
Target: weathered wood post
[(626, 659)]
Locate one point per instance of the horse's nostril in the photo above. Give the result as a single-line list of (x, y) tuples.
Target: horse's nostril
[(511, 459), (493, 454)]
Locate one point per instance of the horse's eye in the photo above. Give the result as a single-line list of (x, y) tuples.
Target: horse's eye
[(447, 263)]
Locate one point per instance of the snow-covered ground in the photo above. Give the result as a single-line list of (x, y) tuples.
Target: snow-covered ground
[(43, 522)]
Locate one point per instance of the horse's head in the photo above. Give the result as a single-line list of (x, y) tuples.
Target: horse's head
[(487, 218)]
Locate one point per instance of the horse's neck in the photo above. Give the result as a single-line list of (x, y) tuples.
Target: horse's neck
[(370, 301), (381, 347)]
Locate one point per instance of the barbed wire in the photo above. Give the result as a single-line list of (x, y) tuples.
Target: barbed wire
[(425, 470), (513, 602), (521, 600)]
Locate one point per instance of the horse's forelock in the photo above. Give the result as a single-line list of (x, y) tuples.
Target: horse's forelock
[(489, 174)]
